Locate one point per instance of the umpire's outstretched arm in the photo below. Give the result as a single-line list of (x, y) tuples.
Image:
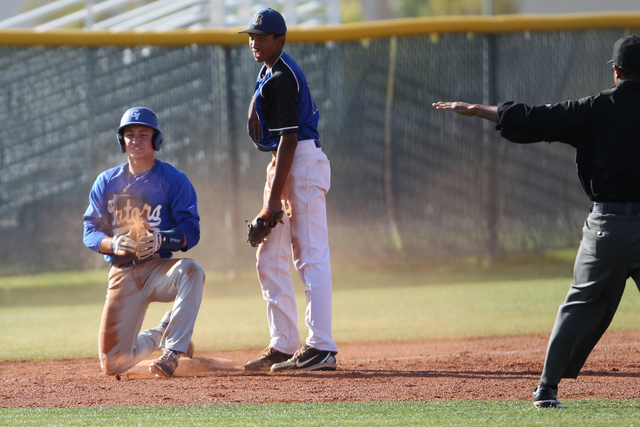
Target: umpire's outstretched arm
[(487, 112)]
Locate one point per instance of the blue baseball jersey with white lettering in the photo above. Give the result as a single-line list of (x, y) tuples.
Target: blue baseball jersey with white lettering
[(281, 104), (163, 196)]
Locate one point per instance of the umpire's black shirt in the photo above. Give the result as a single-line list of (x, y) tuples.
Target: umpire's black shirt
[(605, 130)]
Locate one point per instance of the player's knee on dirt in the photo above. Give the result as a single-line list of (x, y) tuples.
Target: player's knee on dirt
[(111, 365)]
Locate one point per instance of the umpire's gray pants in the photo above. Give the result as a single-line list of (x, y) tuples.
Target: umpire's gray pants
[(609, 254)]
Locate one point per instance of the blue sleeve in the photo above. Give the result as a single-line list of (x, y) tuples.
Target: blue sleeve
[(184, 207), (96, 219)]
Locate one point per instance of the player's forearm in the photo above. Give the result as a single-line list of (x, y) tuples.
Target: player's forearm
[(284, 160), (182, 237), (94, 238), (105, 245)]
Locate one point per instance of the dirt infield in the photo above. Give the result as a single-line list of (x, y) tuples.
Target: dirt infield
[(504, 368)]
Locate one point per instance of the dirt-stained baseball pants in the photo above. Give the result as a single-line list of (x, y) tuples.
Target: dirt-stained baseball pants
[(131, 290), (304, 235)]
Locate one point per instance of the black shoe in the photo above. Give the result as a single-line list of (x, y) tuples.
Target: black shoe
[(308, 359), (546, 397), (268, 357)]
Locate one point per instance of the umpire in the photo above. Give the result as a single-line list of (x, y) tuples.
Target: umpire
[(605, 131)]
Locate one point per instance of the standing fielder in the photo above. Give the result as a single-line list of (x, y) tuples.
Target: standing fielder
[(605, 131), (139, 213), (283, 120)]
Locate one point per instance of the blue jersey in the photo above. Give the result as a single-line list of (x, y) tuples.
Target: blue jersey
[(281, 104), (163, 196)]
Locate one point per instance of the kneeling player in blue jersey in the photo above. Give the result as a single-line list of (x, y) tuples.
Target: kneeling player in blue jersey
[(283, 120), (139, 213)]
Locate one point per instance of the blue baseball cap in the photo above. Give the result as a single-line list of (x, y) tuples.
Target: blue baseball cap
[(265, 22)]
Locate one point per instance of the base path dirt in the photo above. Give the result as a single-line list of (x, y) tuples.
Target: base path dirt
[(505, 368)]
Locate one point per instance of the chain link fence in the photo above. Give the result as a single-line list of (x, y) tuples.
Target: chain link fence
[(408, 182)]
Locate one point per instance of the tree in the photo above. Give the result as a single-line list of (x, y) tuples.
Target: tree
[(351, 11)]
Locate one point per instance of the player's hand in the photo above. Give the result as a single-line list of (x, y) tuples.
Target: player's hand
[(149, 244), (123, 245), (270, 217), (458, 107)]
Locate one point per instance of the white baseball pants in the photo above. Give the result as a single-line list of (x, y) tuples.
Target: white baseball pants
[(304, 236), (131, 290)]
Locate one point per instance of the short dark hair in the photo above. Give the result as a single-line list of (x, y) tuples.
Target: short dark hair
[(277, 36), (630, 73)]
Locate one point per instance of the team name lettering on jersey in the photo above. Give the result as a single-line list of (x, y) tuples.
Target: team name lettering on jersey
[(124, 212)]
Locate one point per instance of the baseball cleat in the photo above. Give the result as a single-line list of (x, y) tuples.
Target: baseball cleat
[(546, 397), (268, 357), (308, 359), (166, 364)]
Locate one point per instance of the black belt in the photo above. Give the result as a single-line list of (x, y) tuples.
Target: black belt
[(616, 208), (136, 261)]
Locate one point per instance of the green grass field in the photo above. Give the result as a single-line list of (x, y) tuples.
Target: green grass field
[(56, 316), (618, 413)]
